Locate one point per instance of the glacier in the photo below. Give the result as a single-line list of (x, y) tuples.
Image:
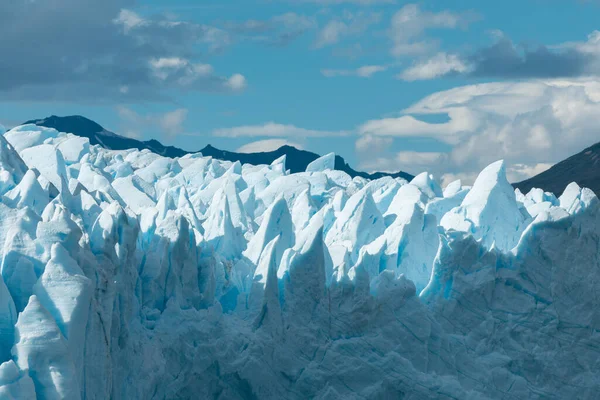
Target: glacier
[(129, 275)]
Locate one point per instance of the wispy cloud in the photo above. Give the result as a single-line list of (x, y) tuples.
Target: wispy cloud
[(441, 64), (337, 2), (350, 24), (134, 124), (278, 30), (272, 129), (365, 71), (409, 24)]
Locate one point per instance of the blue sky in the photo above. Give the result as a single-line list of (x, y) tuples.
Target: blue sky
[(350, 76)]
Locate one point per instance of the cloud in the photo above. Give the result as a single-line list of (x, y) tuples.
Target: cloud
[(372, 144), (402, 161), (440, 65), (135, 125), (462, 120), (267, 145), (366, 71), (507, 60), (504, 59), (272, 129), (531, 124), (337, 2), (410, 23), (110, 53), (236, 82), (349, 25), (279, 30)]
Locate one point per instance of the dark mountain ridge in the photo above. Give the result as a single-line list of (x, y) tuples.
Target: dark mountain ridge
[(583, 168), (296, 160)]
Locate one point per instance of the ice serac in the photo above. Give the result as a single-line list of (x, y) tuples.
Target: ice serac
[(276, 221), (270, 318), (65, 292), (303, 210), (8, 318), (323, 163), (29, 193), (359, 223), (12, 167), (427, 184), (226, 239), (15, 384), (41, 349), (129, 275), (489, 211), (305, 281)]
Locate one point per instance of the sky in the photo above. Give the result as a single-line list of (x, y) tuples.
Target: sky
[(444, 87)]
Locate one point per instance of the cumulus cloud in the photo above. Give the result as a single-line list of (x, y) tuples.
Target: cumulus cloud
[(272, 129), (410, 23), (365, 71), (267, 145), (531, 124), (76, 54)]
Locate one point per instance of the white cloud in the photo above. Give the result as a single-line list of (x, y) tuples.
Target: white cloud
[(180, 72), (128, 19), (331, 33), (351, 24), (172, 122), (272, 129), (135, 125), (409, 24), (357, 2), (531, 124), (237, 82), (266, 145), (366, 71), (462, 120), (520, 172), (370, 144), (413, 161), (439, 65)]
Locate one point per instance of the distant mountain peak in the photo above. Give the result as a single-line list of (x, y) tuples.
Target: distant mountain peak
[(581, 168), (297, 160)]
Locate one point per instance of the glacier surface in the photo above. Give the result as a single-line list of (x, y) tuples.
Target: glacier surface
[(128, 275)]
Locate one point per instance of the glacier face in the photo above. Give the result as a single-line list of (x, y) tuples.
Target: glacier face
[(128, 275)]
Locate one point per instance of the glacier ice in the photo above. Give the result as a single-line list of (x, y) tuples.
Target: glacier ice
[(128, 275)]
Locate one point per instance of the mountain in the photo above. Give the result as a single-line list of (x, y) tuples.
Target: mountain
[(583, 168), (296, 160)]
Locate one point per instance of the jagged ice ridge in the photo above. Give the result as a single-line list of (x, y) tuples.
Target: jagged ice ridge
[(128, 275)]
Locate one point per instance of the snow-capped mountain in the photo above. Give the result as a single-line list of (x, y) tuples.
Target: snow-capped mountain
[(296, 160), (129, 275)]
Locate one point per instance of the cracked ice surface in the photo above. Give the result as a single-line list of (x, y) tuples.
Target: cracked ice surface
[(128, 275)]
